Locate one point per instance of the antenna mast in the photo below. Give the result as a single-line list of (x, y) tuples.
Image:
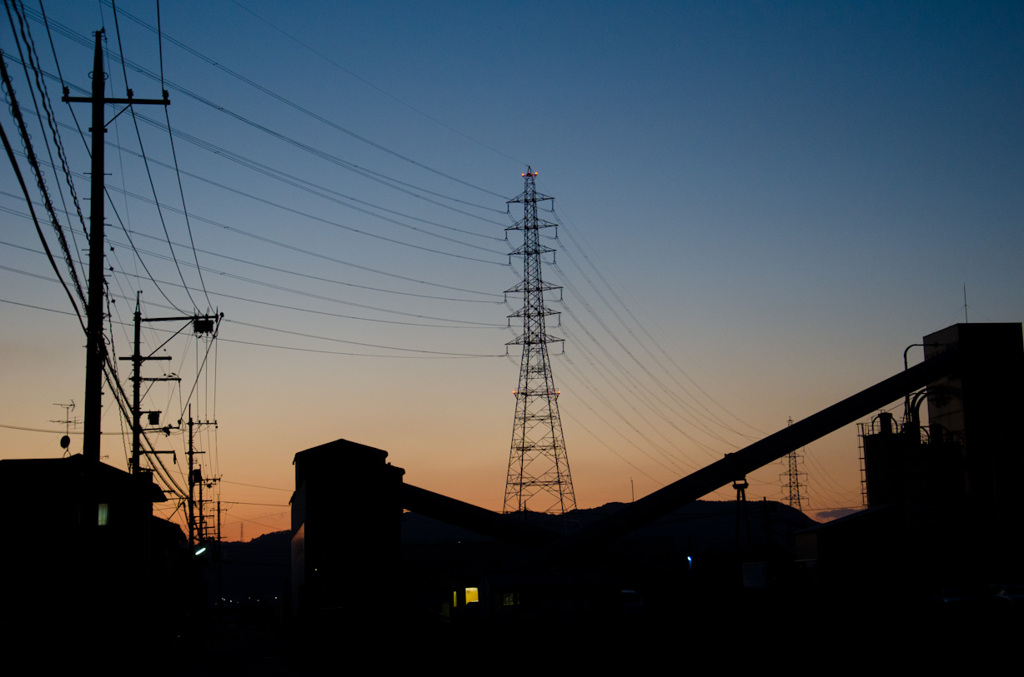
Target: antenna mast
[(538, 468)]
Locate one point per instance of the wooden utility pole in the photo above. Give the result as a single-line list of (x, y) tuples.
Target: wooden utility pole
[(196, 528), (137, 359), (96, 351), (192, 472), (201, 324)]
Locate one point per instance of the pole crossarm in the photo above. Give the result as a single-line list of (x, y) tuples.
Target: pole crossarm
[(88, 99)]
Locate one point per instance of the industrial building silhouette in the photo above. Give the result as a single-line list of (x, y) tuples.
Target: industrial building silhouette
[(944, 514)]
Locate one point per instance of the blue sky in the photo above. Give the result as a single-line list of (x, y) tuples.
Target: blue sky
[(762, 205)]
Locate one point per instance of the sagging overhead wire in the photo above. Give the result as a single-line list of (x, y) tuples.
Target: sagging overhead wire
[(353, 229), (302, 109), (317, 278), (149, 173), (39, 230), (291, 247), (306, 187), (333, 339), (313, 188), (642, 327), (26, 141), (449, 323), (407, 188), (174, 155), (35, 64), (382, 91), (331, 299), (34, 164)]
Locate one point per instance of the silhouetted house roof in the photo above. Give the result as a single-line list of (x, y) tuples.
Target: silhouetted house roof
[(82, 546), (51, 492)]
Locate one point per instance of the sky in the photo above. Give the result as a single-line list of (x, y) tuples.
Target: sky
[(760, 206)]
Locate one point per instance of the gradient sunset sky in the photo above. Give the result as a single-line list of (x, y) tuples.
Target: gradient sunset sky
[(761, 204)]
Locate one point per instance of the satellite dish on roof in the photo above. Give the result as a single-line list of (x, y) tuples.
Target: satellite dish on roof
[(65, 442)]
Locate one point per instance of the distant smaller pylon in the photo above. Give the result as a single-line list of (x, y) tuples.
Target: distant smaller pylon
[(794, 493)]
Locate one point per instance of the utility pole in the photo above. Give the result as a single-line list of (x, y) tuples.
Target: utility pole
[(208, 531), (538, 467), (137, 359), (96, 351), (192, 476), (196, 528), (201, 324)]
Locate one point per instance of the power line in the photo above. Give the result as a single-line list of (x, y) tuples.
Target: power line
[(317, 278), (359, 343), (464, 323), (41, 185), (49, 255), (149, 173), (302, 109), (295, 248), (373, 86)]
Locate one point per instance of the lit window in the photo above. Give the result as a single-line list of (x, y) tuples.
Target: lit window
[(472, 595), (102, 514)]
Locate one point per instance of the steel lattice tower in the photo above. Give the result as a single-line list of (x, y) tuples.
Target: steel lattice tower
[(791, 485), (538, 468)]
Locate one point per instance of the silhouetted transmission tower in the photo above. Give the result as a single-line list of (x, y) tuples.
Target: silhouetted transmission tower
[(792, 489), (538, 469)]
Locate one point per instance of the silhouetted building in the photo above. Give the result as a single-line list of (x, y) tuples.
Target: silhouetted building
[(978, 408), (945, 498), (86, 562), (345, 534), (943, 508)]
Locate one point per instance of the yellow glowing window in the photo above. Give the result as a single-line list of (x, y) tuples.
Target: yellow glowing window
[(472, 595)]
